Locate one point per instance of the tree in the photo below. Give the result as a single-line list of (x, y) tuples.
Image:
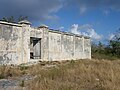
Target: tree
[(22, 18), (114, 44), (112, 50), (12, 19), (101, 47), (8, 19)]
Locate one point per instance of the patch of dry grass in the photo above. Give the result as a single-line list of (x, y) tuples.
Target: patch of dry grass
[(9, 71), (78, 75), (73, 75)]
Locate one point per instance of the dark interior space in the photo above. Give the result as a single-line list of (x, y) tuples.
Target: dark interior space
[(35, 48)]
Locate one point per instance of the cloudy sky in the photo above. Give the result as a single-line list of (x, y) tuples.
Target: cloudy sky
[(98, 19)]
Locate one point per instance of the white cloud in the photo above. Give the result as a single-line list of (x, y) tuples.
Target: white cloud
[(61, 28), (91, 33), (84, 5), (111, 36), (74, 29), (36, 10), (85, 30)]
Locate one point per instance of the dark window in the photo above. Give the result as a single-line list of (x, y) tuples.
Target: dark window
[(35, 48)]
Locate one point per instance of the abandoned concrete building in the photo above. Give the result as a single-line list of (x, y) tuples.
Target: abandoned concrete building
[(21, 43)]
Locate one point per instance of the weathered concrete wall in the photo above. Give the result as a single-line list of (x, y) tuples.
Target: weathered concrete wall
[(10, 44), (79, 47), (65, 46), (36, 33), (87, 48), (45, 44), (25, 44), (55, 49), (54, 45), (15, 43)]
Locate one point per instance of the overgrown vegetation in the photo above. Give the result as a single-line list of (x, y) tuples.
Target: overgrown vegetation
[(70, 75), (13, 19), (110, 51), (78, 75)]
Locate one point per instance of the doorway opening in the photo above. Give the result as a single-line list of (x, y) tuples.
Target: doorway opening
[(35, 48)]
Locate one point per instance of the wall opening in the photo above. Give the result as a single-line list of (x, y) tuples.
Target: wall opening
[(35, 48)]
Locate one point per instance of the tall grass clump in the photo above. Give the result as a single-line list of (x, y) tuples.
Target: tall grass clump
[(78, 75)]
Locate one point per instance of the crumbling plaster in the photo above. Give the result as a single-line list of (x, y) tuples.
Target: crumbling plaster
[(55, 45)]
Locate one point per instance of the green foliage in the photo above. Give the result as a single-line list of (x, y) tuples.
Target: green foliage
[(98, 48), (8, 19), (22, 18), (112, 50), (12, 19), (114, 45), (23, 67)]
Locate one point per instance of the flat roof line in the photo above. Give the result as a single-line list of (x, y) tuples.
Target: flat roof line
[(11, 24), (68, 33)]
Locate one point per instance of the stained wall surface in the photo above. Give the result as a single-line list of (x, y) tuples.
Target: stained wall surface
[(54, 45), (10, 44), (64, 46)]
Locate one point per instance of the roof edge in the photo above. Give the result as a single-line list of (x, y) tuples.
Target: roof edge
[(68, 33), (11, 24)]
